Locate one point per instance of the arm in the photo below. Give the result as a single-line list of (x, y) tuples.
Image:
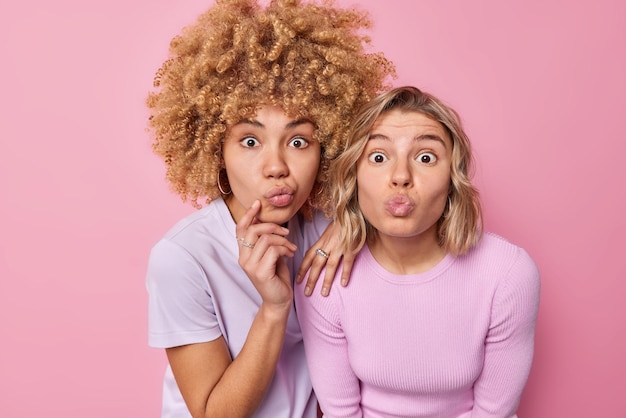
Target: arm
[(509, 342), (329, 242), (210, 382), (336, 386), (213, 386)]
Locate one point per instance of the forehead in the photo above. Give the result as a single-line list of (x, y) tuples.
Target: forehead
[(402, 120), (270, 116)]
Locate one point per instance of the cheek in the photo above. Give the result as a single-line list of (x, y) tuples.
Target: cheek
[(370, 183), (439, 184), (439, 192), (368, 186), (307, 168), (232, 160), (362, 174), (436, 180), (236, 170), (445, 181), (368, 194)]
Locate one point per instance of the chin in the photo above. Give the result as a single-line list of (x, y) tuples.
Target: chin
[(277, 215)]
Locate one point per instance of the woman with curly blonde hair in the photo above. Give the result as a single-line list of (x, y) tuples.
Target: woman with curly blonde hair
[(248, 112), (440, 318)]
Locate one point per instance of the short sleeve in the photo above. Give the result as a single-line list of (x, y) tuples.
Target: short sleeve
[(180, 306)]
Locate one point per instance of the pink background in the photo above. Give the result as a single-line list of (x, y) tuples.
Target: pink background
[(541, 87)]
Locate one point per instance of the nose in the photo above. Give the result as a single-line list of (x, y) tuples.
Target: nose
[(274, 164), (401, 174)]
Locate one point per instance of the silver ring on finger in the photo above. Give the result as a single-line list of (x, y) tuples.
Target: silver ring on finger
[(321, 253), (245, 243)]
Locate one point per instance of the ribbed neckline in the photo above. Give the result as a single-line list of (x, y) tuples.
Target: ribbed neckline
[(405, 279)]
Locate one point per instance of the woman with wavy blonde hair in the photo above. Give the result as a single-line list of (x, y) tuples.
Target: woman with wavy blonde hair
[(460, 226), (439, 319), (247, 113)]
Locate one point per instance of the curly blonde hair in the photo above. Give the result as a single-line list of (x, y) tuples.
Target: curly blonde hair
[(460, 226), (309, 59)]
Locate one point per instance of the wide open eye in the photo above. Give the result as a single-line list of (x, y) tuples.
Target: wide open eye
[(427, 158), (377, 157), (250, 142), (298, 142)]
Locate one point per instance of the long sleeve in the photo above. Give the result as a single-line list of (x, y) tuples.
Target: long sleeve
[(455, 341), (509, 343), (326, 349)]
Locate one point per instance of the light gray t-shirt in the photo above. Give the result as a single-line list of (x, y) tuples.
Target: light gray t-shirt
[(197, 292)]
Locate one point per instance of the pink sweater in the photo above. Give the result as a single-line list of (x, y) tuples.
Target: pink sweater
[(456, 341)]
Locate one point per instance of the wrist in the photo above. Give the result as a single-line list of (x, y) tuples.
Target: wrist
[(275, 312)]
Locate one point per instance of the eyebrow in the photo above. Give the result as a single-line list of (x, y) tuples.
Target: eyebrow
[(426, 137), (290, 125)]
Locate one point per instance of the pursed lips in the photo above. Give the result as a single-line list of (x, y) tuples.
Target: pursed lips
[(399, 205), (279, 196)]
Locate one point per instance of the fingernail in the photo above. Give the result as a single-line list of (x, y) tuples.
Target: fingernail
[(285, 230), (307, 291), (324, 291), (344, 282)]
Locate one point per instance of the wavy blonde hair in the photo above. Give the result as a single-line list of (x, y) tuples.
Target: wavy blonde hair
[(307, 58), (460, 226)]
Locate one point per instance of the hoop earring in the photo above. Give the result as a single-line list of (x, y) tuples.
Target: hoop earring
[(219, 186)]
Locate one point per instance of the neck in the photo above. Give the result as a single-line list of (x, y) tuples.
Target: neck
[(407, 255)]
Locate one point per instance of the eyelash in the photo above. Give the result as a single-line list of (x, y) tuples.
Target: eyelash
[(305, 142), (374, 154), (244, 142), (434, 157)]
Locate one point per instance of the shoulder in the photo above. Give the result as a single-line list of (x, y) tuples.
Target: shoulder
[(311, 229), (196, 220), (304, 233), (202, 230), (509, 267), (362, 270), (498, 254), (499, 264), (195, 243)]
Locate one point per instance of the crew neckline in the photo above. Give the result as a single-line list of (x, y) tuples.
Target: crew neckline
[(408, 279)]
